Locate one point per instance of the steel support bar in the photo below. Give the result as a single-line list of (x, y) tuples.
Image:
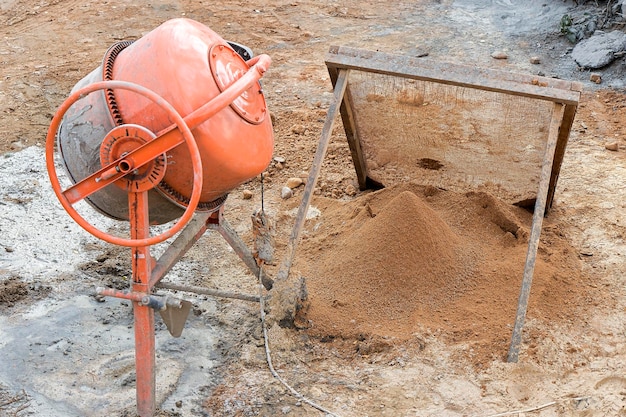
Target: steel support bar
[(144, 315), (206, 291), (126, 295), (320, 153), (183, 242), (533, 244), (187, 238), (235, 242)]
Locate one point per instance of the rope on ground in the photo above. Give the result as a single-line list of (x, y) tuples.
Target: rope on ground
[(538, 408), (268, 356)]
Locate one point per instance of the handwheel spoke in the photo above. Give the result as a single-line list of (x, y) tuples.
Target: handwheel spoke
[(91, 184), (119, 168)]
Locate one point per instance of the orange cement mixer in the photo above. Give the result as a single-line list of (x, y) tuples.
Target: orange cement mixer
[(164, 128), (188, 65)]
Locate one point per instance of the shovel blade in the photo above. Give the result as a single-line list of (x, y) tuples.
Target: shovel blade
[(175, 318)]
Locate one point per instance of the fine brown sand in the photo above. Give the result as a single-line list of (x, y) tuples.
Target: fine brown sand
[(407, 260)]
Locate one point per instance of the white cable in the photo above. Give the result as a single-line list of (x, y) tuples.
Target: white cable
[(269, 357)]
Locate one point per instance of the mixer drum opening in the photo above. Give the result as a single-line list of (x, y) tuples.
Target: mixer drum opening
[(188, 65)]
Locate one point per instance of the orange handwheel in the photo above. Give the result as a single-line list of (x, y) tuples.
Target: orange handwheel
[(217, 92), (139, 162)]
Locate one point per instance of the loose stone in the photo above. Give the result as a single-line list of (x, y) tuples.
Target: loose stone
[(286, 193), (499, 55), (294, 182)]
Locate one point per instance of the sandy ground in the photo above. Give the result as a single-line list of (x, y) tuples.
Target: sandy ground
[(64, 353)]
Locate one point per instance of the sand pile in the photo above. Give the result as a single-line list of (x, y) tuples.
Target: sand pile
[(408, 260), (399, 262)]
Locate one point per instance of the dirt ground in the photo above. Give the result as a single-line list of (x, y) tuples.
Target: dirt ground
[(412, 289)]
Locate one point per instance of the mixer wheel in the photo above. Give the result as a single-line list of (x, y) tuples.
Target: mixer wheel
[(132, 157)]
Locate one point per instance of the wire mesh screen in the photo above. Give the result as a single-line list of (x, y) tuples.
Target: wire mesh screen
[(449, 136)]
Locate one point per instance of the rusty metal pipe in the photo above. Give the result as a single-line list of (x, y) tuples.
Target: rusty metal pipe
[(126, 295)]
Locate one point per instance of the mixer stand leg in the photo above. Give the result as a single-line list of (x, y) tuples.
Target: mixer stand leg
[(144, 315), (191, 234), (146, 276), (235, 242)]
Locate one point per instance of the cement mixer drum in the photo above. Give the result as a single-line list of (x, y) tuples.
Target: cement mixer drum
[(187, 64)]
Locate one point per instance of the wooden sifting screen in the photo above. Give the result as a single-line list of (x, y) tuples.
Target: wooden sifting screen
[(452, 126)]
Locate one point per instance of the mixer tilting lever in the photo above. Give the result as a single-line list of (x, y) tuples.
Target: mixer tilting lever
[(119, 134)]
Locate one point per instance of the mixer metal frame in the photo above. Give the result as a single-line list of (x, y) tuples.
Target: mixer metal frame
[(147, 274), (145, 148)]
